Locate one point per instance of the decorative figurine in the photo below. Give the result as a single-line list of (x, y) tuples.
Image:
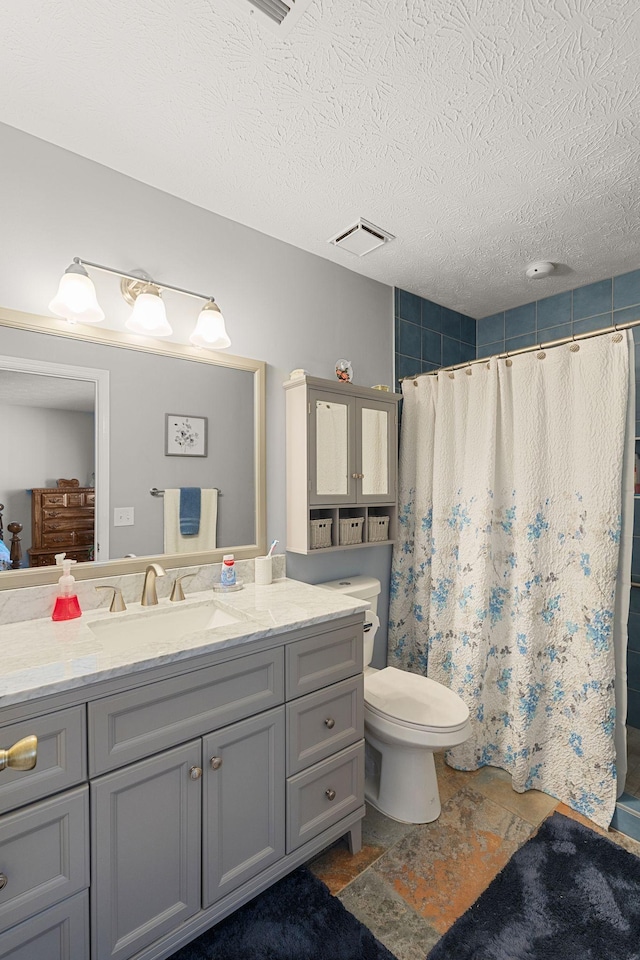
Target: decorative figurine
[(344, 371)]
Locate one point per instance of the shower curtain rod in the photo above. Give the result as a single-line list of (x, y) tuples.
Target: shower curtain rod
[(615, 328)]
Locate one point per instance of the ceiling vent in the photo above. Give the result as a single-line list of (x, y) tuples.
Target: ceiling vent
[(361, 238), (280, 15)]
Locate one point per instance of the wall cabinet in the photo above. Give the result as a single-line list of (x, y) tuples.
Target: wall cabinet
[(342, 469), (205, 783)]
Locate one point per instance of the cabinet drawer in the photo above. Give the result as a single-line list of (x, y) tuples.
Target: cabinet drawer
[(324, 722), (44, 854), (310, 809), (318, 661), (61, 757), (60, 933), (135, 724)]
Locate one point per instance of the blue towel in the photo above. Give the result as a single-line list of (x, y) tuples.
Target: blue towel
[(189, 511)]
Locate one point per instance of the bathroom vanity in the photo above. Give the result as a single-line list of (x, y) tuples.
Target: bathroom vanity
[(177, 777)]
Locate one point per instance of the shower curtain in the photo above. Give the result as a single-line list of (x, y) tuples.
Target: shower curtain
[(513, 556)]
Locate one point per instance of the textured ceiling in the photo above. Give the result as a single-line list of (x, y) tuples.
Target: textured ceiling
[(53, 393), (483, 133)]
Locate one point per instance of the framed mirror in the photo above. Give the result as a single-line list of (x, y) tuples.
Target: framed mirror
[(126, 418)]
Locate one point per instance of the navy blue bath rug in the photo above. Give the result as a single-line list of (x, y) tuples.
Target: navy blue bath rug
[(295, 919), (567, 894)]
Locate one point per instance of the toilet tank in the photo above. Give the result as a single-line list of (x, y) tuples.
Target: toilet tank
[(363, 588)]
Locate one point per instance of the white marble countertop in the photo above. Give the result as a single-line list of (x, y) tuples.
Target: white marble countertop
[(43, 657)]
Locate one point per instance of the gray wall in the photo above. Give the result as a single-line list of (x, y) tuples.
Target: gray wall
[(282, 305)]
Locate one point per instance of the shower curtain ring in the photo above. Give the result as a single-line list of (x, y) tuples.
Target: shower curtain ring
[(540, 354), (617, 336), (573, 346), (469, 371), (508, 362)]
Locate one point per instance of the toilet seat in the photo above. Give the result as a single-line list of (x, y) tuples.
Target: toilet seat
[(413, 701)]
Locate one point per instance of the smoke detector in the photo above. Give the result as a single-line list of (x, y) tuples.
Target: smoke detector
[(361, 238), (540, 269)]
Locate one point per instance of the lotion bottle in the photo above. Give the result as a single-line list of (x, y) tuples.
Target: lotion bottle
[(67, 606), (228, 571)]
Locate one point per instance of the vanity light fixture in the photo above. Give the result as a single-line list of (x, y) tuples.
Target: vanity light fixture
[(76, 297), (76, 301), (210, 331)]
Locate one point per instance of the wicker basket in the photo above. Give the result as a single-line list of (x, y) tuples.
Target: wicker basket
[(320, 533), (378, 529), (351, 530)]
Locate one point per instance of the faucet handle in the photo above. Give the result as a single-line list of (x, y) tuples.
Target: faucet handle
[(117, 602), (177, 592)]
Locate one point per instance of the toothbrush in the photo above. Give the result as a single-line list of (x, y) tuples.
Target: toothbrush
[(271, 548)]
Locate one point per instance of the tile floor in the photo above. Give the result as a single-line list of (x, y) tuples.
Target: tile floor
[(632, 783), (410, 882)]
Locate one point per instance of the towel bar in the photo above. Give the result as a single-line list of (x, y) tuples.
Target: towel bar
[(160, 493)]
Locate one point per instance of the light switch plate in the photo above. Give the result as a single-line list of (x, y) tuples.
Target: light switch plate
[(123, 516)]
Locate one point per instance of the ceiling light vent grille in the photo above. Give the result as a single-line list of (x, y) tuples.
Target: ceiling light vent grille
[(280, 15), (361, 238)]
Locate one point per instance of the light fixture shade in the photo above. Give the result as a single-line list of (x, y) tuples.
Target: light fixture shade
[(76, 297), (149, 316), (210, 331)]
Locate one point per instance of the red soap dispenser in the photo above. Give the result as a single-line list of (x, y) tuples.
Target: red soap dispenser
[(67, 606)]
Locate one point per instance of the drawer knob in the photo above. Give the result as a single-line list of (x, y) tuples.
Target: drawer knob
[(21, 756), (216, 763), (330, 723), (4, 880), (330, 794), (195, 773)]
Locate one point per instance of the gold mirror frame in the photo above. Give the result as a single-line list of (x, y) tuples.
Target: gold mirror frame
[(115, 338)]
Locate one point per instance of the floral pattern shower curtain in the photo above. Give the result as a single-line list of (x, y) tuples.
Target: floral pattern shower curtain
[(505, 572)]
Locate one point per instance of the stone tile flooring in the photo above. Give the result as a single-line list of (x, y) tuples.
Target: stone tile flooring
[(411, 882)]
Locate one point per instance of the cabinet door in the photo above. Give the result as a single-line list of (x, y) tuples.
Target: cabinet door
[(376, 451), (332, 426), (146, 835), (244, 797)]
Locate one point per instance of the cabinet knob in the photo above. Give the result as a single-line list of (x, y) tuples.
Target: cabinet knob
[(21, 756), (4, 880), (330, 723), (330, 794), (195, 773), (216, 763)]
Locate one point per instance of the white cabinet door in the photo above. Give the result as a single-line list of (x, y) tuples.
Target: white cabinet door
[(332, 448), (375, 451)]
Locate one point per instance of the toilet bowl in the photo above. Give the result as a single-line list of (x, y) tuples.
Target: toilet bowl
[(406, 718)]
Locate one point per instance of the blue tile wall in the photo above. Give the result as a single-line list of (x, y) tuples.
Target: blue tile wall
[(429, 335), (596, 305)]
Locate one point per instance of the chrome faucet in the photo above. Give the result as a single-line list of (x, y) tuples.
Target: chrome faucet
[(149, 595)]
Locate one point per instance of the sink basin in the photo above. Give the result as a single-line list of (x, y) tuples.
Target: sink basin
[(167, 624)]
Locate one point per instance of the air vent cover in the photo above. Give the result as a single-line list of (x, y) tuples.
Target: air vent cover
[(361, 238), (280, 15)]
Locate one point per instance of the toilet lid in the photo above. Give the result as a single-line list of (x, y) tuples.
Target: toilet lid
[(414, 700)]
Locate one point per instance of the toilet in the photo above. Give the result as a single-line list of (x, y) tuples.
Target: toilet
[(406, 718)]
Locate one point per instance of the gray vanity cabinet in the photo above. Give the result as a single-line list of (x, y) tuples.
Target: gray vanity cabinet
[(163, 801)]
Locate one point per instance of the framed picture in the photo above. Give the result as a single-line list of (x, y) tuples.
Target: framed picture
[(185, 436)]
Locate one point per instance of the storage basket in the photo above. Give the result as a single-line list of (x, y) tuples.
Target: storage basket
[(351, 530), (378, 529), (321, 533)]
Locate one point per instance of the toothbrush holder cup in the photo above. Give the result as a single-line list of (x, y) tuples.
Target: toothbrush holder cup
[(263, 571)]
